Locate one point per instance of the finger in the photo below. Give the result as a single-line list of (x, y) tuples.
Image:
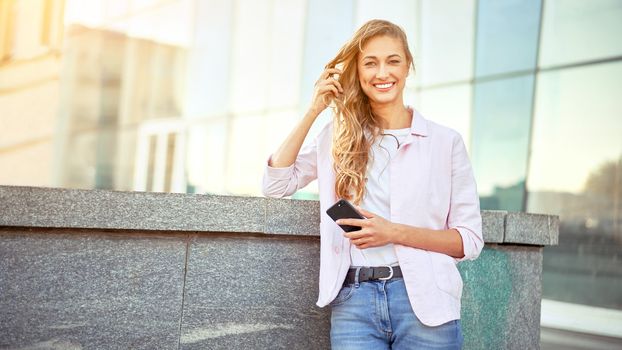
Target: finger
[(358, 241), (327, 84), (328, 89), (351, 222), (330, 82), (329, 71), (355, 234), (364, 244)]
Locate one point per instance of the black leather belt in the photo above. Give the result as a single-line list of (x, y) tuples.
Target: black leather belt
[(373, 274)]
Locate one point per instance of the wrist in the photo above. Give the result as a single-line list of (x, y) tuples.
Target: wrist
[(313, 112), (398, 234)]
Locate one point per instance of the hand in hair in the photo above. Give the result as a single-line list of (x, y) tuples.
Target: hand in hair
[(326, 88)]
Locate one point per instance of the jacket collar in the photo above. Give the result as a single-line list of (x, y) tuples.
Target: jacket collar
[(418, 126)]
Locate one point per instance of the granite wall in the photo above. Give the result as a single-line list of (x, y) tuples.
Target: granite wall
[(128, 270)]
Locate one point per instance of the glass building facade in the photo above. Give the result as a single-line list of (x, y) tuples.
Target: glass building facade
[(193, 95)]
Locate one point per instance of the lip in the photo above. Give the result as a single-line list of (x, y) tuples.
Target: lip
[(393, 83)]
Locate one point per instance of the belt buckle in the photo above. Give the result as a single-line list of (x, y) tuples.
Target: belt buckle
[(390, 274)]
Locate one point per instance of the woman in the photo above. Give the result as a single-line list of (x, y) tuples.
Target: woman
[(394, 283)]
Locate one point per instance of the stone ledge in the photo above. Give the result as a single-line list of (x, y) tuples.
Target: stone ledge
[(534, 229), (493, 225), (103, 209)]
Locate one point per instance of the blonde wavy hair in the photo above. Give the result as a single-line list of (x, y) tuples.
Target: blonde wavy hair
[(355, 126)]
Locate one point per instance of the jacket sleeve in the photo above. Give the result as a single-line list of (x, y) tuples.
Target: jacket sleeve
[(282, 182), (464, 212)]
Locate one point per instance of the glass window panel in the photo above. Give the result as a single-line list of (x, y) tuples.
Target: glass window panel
[(169, 22), (446, 41), (412, 96), (21, 120), (88, 13), (29, 165), (578, 30), (105, 149), (575, 172), (276, 126), (78, 167), (287, 33), (500, 138), (208, 71), (321, 44), (449, 106), (113, 9), (153, 80), (251, 60), (401, 12), (28, 27), (206, 156), (124, 159), (507, 36), (247, 156)]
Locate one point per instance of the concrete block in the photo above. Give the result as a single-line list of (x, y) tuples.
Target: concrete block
[(55, 207), (253, 293), (293, 217), (493, 225), (501, 298), (535, 229), (73, 290)]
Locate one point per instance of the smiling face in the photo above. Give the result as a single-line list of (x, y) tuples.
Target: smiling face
[(382, 70)]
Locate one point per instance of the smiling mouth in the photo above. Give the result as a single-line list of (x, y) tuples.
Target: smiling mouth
[(384, 86)]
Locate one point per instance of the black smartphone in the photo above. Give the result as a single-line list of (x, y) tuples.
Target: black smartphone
[(344, 210)]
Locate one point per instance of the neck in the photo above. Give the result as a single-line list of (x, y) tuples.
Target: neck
[(393, 116)]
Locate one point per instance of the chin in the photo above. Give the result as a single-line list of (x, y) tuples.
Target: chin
[(382, 100)]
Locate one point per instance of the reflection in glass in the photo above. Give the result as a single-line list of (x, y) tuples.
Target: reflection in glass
[(575, 172), (250, 57), (507, 36), (207, 153), (500, 139), (446, 41), (286, 38), (209, 61), (578, 30), (246, 155), (321, 45), (456, 115)]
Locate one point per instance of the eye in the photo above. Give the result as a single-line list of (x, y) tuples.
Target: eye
[(395, 61), (370, 64)]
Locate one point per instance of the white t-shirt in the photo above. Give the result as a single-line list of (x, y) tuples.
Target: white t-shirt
[(377, 197)]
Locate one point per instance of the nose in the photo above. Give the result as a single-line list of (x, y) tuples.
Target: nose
[(382, 72)]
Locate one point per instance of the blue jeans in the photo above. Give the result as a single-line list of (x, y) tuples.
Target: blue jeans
[(378, 315)]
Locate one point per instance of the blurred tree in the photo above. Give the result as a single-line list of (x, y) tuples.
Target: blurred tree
[(604, 187), (606, 180)]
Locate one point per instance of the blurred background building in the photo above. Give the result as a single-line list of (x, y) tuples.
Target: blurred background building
[(193, 95)]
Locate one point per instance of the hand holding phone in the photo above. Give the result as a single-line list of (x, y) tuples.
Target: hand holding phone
[(345, 210)]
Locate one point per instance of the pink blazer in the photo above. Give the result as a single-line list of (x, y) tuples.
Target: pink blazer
[(432, 186)]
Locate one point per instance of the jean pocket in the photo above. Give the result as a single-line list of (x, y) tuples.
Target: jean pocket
[(344, 295)]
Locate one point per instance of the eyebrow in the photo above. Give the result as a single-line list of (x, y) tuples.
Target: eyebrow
[(390, 56)]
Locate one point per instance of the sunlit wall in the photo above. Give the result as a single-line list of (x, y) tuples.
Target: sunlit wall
[(193, 95)]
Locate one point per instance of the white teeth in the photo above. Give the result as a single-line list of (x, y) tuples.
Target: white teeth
[(384, 86)]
